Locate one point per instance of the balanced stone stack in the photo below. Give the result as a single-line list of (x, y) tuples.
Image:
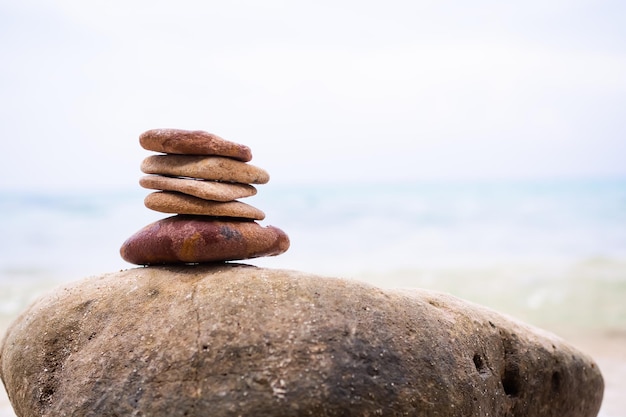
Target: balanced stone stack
[(226, 339), (199, 177)]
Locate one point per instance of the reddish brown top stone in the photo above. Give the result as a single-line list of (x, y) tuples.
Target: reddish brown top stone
[(192, 142), (197, 239)]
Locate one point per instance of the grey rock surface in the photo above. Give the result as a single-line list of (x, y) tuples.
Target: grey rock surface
[(236, 340)]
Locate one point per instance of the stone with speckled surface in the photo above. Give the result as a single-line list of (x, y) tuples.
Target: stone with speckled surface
[(171, 202), (208, 190), (228, 340), (214, 168), (192, 142)]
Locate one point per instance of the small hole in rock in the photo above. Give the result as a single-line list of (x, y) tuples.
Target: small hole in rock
[(46, 394), (434, 303), (511, 380), (479, 363), (556, 381)]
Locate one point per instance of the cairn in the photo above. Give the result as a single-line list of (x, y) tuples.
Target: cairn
[(199, 177)]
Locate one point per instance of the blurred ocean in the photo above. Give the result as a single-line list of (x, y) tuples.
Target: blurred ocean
[(520, 246), (550, 253), (498, 243)]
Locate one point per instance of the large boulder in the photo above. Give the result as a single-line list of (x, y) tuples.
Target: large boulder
[(236, 340)]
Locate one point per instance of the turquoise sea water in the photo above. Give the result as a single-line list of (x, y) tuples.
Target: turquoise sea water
[(489, 241), (552, 253)]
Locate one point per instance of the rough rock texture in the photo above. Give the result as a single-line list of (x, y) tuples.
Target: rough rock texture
[(209, 190), (171, 202), (228, 340), (214, 168), (194, 239), (192, 142)]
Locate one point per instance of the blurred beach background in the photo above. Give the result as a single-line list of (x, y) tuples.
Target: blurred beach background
[(476, 149)]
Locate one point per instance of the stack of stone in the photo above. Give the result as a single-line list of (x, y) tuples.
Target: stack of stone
[(200, 176)]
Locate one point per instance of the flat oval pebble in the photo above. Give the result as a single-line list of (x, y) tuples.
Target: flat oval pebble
[(172, 202), (194, 239), (214, 168), (192, 142), (208, 190)]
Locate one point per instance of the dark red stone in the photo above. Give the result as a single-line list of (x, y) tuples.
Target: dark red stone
[(197, 239)]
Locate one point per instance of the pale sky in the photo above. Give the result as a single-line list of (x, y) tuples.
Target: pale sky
[(320, 90)]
